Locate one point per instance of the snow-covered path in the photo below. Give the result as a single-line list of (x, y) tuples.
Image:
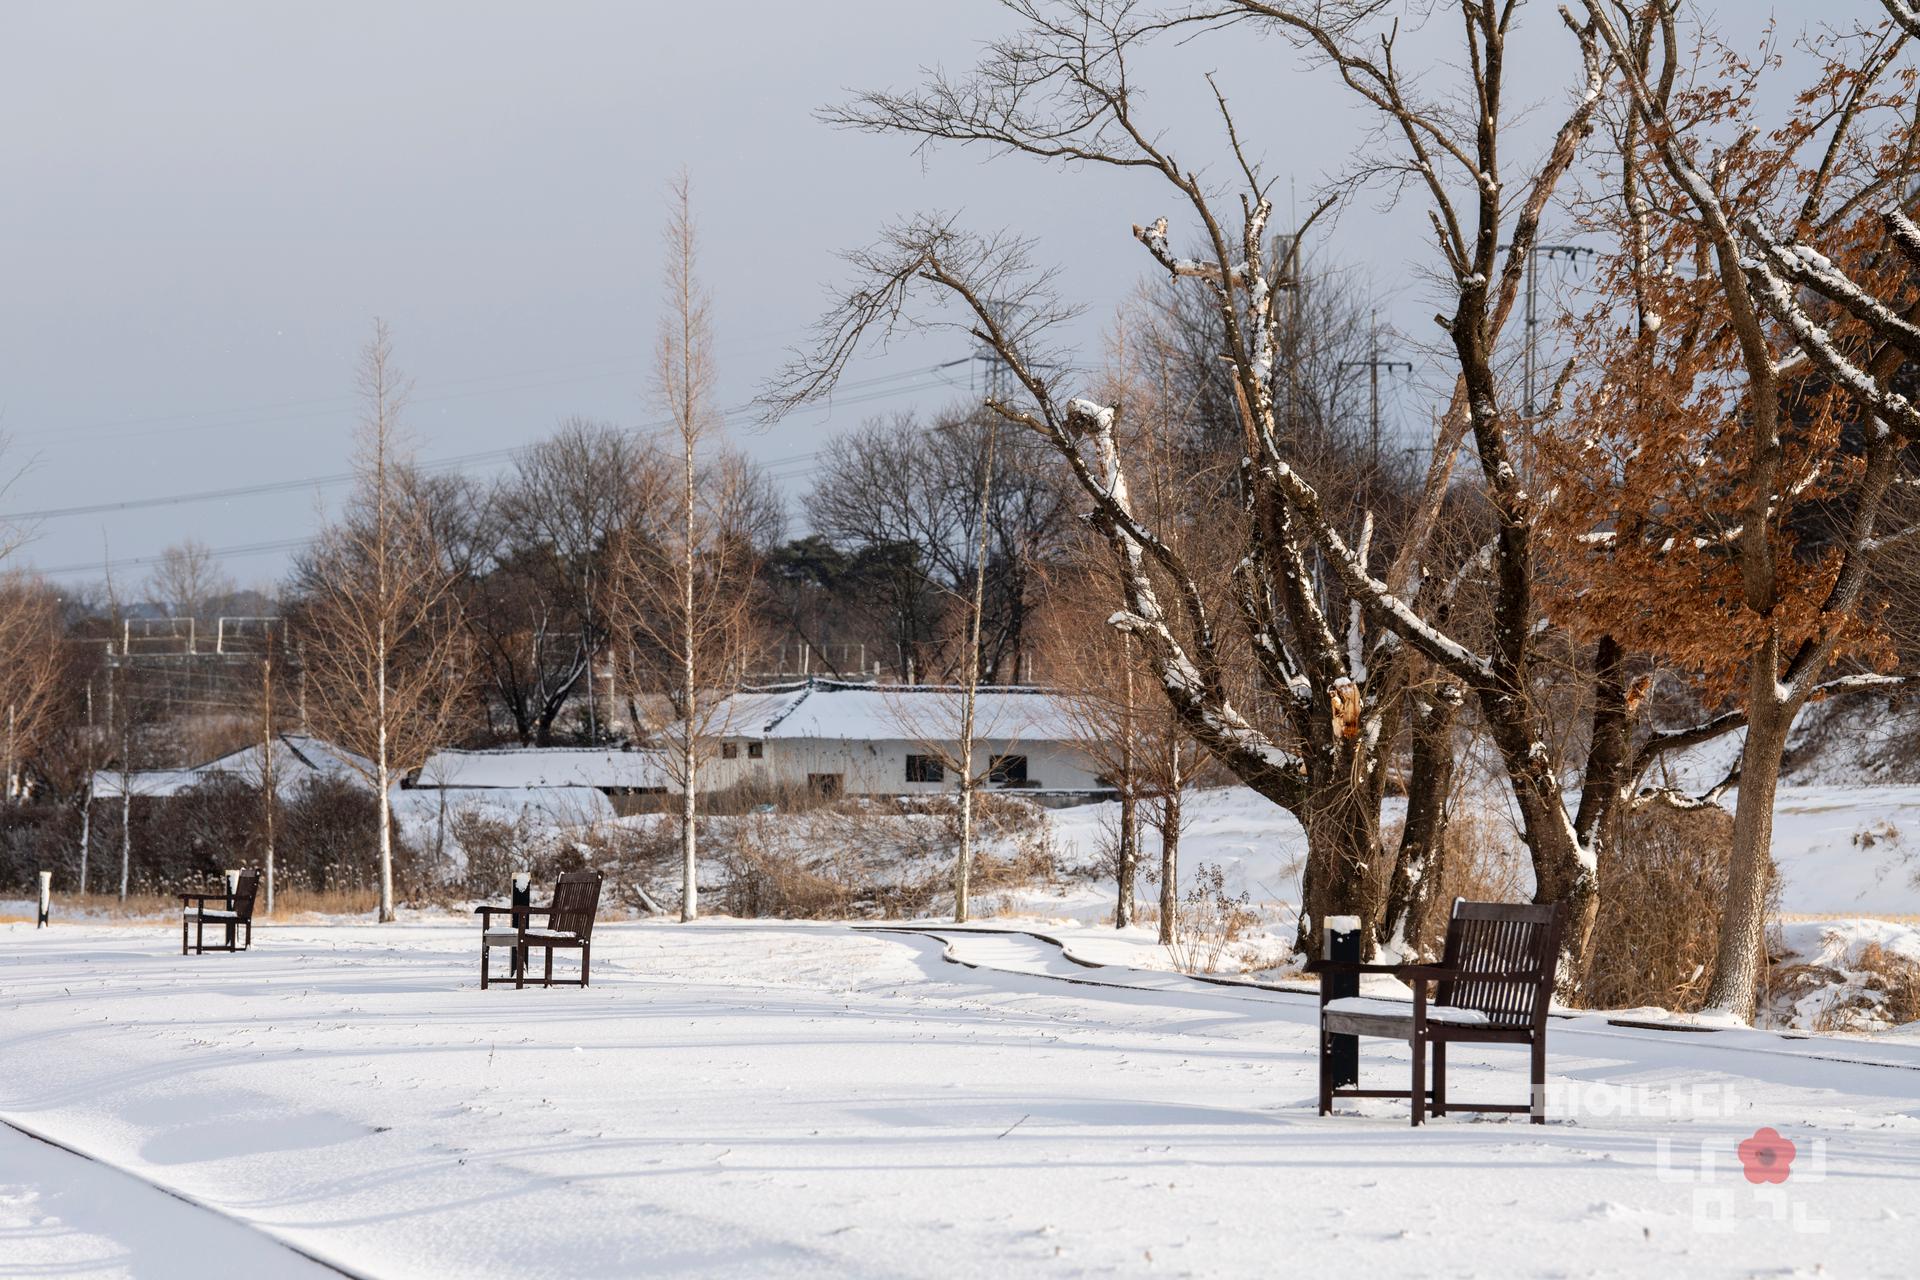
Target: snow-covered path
[(743, 1099)]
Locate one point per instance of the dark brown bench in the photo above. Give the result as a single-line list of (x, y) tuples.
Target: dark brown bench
[(576, 900), (1493, 985), (234, 913)]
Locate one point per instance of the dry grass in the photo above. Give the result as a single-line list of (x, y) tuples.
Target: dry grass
[(1481, 860), (1662, 884), (1878, 990), (288, 904)]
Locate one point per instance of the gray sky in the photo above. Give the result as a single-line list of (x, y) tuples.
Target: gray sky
[(203, 206)]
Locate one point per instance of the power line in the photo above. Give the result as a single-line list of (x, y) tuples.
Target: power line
[(875, 390), (787, 469)]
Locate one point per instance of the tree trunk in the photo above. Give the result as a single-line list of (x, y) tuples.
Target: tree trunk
[(383, 806), (1342, 821), (1129, 862), (1419, 870), (126, 832), (1564, 866), (382, 779), (86, 833), (1741, 957), (689, 836), (1169, 864), (689, 685), (963, 864)]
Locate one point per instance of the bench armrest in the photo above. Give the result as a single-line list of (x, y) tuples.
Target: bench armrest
[(202, 897), (507, 911), (1429, 972)]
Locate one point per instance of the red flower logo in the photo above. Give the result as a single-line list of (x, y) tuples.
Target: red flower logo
[(1766, 1156)]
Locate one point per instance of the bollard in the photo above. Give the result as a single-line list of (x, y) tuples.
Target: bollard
[(522, 897), (46, 901), (1340, 943)]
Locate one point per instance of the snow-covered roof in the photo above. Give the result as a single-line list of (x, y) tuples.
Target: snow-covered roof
[(297, 760), (552, 806), (833, 711), (544, 767)]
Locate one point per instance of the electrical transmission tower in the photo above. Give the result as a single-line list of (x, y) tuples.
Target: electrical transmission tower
[(996, 375), (1529, 356), (1373, 364)]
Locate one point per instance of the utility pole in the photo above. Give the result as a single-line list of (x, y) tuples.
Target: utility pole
[(1373, 364), (1529, 356)]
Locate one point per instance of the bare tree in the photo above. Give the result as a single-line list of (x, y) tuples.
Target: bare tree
[(383, 650), (1093, 667), (679, 599), (188, 580), (1060, 91), (547, 531), (903, 500), (31, 666)]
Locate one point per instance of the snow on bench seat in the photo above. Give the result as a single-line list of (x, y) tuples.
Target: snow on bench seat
[(1373, 1006)]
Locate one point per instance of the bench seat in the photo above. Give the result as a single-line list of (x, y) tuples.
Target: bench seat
[(1370, 1015)]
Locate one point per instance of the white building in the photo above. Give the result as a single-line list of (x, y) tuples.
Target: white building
[(858, 739), (551, 773)]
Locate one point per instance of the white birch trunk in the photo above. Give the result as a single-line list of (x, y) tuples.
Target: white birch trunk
[(86, 833), (963, 865), (690, 694), (126, 832)]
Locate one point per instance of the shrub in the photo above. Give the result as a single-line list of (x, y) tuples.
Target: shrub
[(1211, 920), (1663, 880)]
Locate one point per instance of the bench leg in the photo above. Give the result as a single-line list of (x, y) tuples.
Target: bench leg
[(1439, 1078), (1419, 1080), (1539, 1099), (519, 966), (183, 933), (1326, 1075), (485, 952), (200, 937), (586, 958), (548, 980)]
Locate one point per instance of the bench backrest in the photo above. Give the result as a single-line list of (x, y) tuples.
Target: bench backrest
[(576, 899), (246, 886), (1519, 942)]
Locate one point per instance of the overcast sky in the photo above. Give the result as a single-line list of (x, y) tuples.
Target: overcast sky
[(203, 206)]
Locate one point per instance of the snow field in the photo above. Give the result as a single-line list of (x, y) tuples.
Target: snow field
[(747, 1099)]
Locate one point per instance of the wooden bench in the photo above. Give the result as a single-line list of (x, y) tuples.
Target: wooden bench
[(576, 901), (234, 912), (1493, 985)]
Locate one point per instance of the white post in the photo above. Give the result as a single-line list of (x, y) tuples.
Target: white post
[(46, 900)]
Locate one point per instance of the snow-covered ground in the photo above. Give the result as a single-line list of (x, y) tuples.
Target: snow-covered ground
[(750, 1099)]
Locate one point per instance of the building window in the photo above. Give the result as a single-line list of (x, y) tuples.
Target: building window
[(824, 785), (755, 750), (729, 750), (925, 769), (1007, 771)]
